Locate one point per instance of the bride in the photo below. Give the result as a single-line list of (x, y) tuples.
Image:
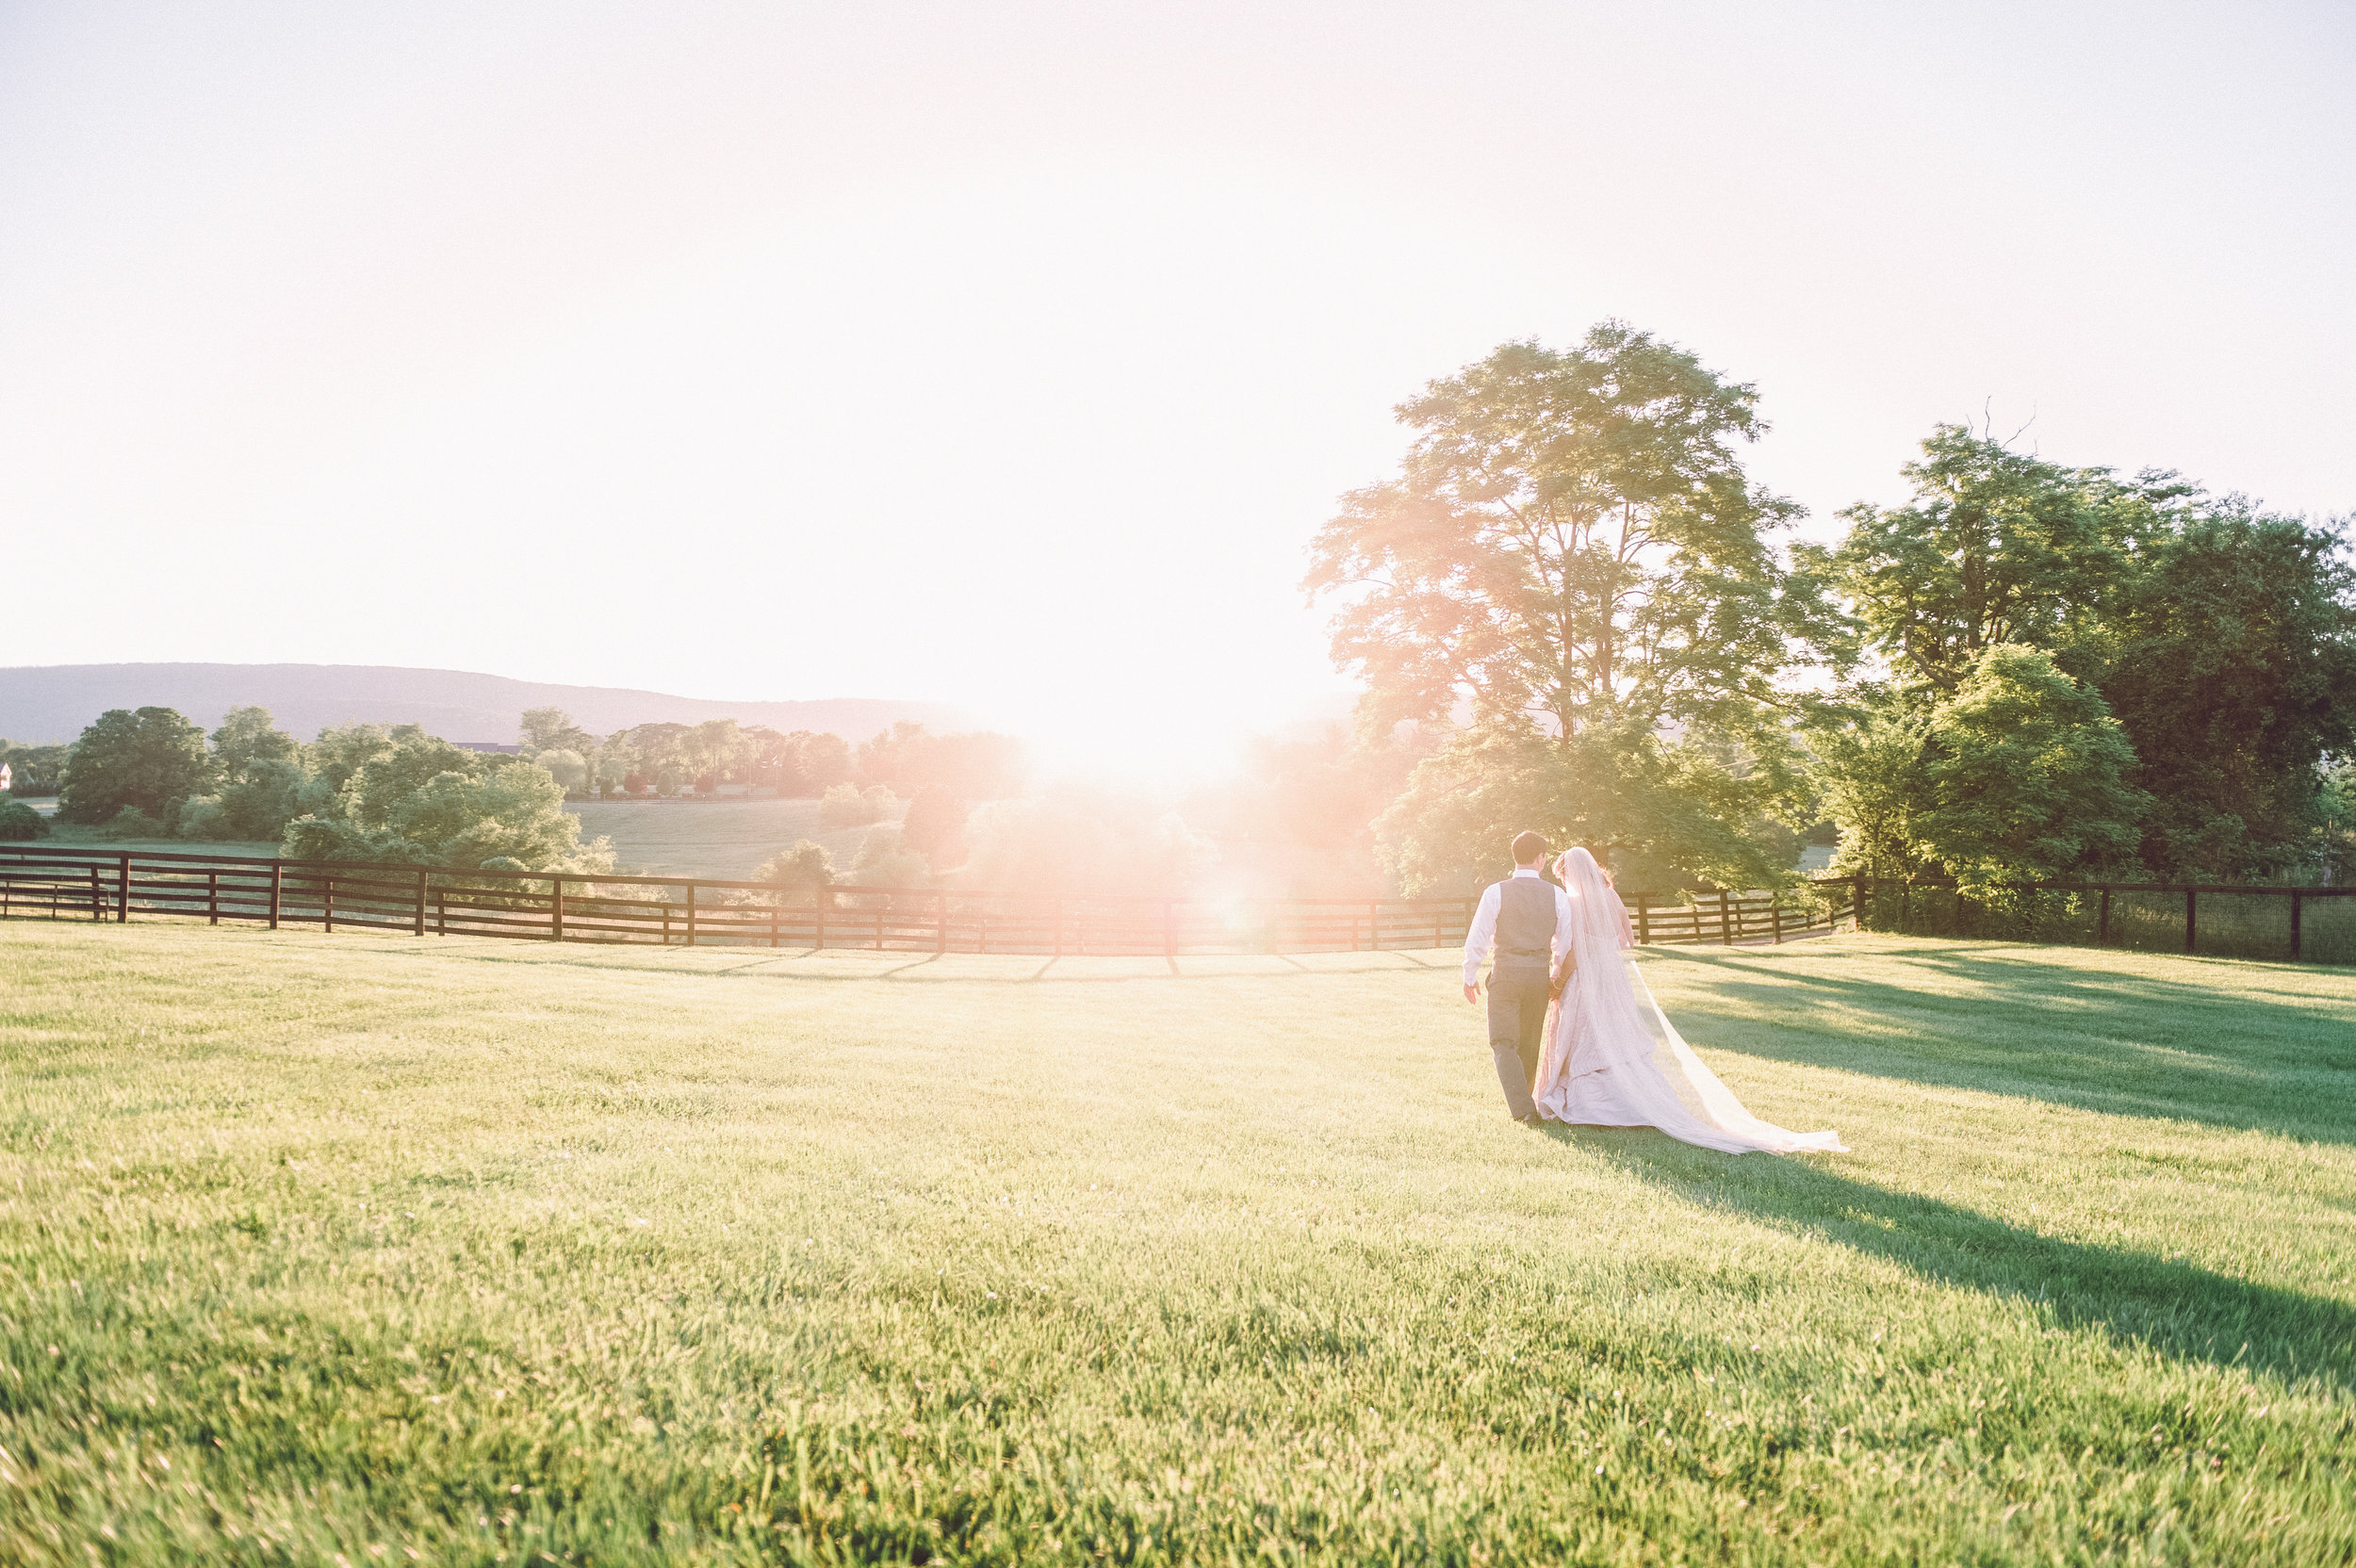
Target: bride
[(1613, 1059)]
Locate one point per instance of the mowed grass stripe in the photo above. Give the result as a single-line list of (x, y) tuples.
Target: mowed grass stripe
[(488, 1252)]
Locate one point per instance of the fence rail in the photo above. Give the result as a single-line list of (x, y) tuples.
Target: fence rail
[(2222, 920), (61, 883)]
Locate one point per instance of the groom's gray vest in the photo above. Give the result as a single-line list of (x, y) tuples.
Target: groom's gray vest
[(1525, 924)]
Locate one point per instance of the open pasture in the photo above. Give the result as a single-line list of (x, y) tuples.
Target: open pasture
[(363, 1248), (726, 839)]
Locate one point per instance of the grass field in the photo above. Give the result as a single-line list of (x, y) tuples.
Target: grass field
[(81, 836), (723, 838), (358, 1249)]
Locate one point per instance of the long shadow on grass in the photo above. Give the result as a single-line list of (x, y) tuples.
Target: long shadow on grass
[(2182, 1312), (2123, 1044)]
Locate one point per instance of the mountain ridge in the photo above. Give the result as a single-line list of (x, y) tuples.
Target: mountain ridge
[(43, 703)]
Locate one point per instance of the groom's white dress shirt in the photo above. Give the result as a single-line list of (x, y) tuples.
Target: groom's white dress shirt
[(1483, 934)]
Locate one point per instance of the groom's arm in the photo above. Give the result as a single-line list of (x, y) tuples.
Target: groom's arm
[(1478, 941)]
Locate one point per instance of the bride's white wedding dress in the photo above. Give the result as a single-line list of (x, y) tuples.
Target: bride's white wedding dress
[(1613, 1059)]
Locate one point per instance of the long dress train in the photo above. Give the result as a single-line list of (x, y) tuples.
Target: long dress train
[(1613, 1059)]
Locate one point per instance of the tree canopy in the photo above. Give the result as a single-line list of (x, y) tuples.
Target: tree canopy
[(247, 736), (150, 759), (1997, 547), (1571, 540), (2218, 639), (2024, 771), (414, 799), (2236, 677)]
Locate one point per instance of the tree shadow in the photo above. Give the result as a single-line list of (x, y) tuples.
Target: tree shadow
[(2136, 1299), (2270, 1057)]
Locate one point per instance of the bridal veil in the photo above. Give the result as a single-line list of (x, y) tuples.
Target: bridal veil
[(1612, 1059)]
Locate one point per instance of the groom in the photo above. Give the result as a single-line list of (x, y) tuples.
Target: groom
[(1526, 918)]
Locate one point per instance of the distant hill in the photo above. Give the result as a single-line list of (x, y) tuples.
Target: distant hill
[(45, 703)]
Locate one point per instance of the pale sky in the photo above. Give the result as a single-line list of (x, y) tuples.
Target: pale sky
[(1009, 355)]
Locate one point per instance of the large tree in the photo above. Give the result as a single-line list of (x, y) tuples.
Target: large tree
[(150, 759), (1996, 547), (2223, 639), (2236, 677), (1573, 571)]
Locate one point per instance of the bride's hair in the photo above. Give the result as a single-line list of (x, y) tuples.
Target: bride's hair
[(1563, 866)]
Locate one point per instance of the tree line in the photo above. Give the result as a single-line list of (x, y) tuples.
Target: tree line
[(390, 795), (396, 795), (1574, 611), (669, 760)]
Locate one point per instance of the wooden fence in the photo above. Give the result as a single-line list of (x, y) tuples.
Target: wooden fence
[(111, 885), (2223, 920)]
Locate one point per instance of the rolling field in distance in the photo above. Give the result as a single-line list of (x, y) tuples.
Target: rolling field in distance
[(726, 839), (382, 1250)]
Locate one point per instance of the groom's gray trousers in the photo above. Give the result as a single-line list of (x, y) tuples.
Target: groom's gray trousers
[(1517, 1022)]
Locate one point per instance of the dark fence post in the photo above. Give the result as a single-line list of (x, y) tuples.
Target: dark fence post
[(96, 908), (416, 919), (122, 890), (327, 902), (2294, 897), (2191, 911), (1857, 907), (2103, 919), (1775, 915), (1643, 919), (277, 886), (691, 914), (1725, 926), (556, 909), (212, 897)]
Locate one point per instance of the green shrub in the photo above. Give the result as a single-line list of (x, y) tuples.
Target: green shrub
[(20, 823), (848, 805), (132, 822), (806, 865), (882, 861), (422, 803)]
